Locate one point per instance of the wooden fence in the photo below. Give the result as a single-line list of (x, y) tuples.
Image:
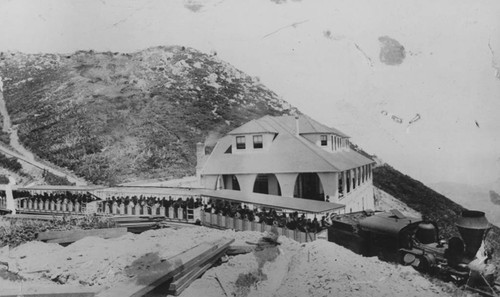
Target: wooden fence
[(223, 222), (106, 208)]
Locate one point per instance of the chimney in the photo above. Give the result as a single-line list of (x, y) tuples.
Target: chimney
[(200, 157), (297, 132)]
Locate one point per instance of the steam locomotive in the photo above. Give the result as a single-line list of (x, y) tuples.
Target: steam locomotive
[(395, 237)]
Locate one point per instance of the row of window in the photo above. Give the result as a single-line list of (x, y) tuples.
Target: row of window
[(336, 143), (354, 177), (241, 142)]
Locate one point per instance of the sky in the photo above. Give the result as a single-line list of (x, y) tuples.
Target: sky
[(324, 57)]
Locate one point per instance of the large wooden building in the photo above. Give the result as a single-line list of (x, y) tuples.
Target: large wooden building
[(289, 156)]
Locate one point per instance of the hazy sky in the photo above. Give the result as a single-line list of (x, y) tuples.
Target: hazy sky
[(323, 56)]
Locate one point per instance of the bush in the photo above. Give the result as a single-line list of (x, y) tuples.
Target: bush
[(10, 163), (21, 231), (55, 180), (4, 180)]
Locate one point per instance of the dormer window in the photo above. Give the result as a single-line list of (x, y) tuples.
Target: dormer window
[(240, 142), (324, 140), (257, 141)]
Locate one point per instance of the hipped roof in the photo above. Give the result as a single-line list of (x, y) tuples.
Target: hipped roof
[(288, 152)]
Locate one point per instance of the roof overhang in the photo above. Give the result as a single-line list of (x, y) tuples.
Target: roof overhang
[(61, 188), (273, 201)]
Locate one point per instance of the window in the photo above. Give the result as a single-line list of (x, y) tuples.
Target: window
[(348, 181), (257, 141), (341, 184), (324, 140), (240, 142)]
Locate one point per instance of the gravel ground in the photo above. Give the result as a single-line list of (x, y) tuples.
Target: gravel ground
[(319, 268)]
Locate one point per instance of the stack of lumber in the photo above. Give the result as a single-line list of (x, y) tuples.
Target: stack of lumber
[(138, 224), (69, 236), (48, 292), (172, 275), (41, 217)]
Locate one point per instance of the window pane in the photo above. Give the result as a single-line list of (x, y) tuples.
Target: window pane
[(323, 140), (257, 141), (240, 142)]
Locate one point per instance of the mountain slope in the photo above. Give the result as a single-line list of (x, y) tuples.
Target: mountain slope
[(113, 117)]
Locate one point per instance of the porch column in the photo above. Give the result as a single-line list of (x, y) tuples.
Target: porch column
[(287, 183), (246, 182), (273, 185), (330, 183)]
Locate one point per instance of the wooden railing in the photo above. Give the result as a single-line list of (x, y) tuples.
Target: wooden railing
[(53, 207), (105, 208), (223, 222), (181, 214)]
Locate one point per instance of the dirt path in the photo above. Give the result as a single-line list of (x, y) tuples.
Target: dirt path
[(30, 164)]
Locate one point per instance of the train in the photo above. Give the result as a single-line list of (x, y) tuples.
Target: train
[(394, 237)]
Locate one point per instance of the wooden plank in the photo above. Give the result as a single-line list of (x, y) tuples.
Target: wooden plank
[(239, 249), (74, 235), (57, 291), (183, 280), (188, 277), (211, 258), (183, 283), (164, 271)]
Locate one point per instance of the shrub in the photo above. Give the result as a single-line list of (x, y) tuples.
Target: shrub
[(4, 180), (55, 180), (10, 163), (21, 231)]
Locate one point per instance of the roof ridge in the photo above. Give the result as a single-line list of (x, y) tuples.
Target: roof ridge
[(310, 146)]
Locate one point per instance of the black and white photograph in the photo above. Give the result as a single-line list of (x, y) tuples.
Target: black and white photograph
[(247, 148)]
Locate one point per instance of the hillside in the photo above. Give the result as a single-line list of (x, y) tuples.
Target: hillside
[(113, 117)]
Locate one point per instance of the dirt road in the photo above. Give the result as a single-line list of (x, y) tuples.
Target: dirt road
[(27, 158)]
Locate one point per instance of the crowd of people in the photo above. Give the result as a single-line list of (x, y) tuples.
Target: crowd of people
[(66, 197), (151, 201), (290, 220)]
